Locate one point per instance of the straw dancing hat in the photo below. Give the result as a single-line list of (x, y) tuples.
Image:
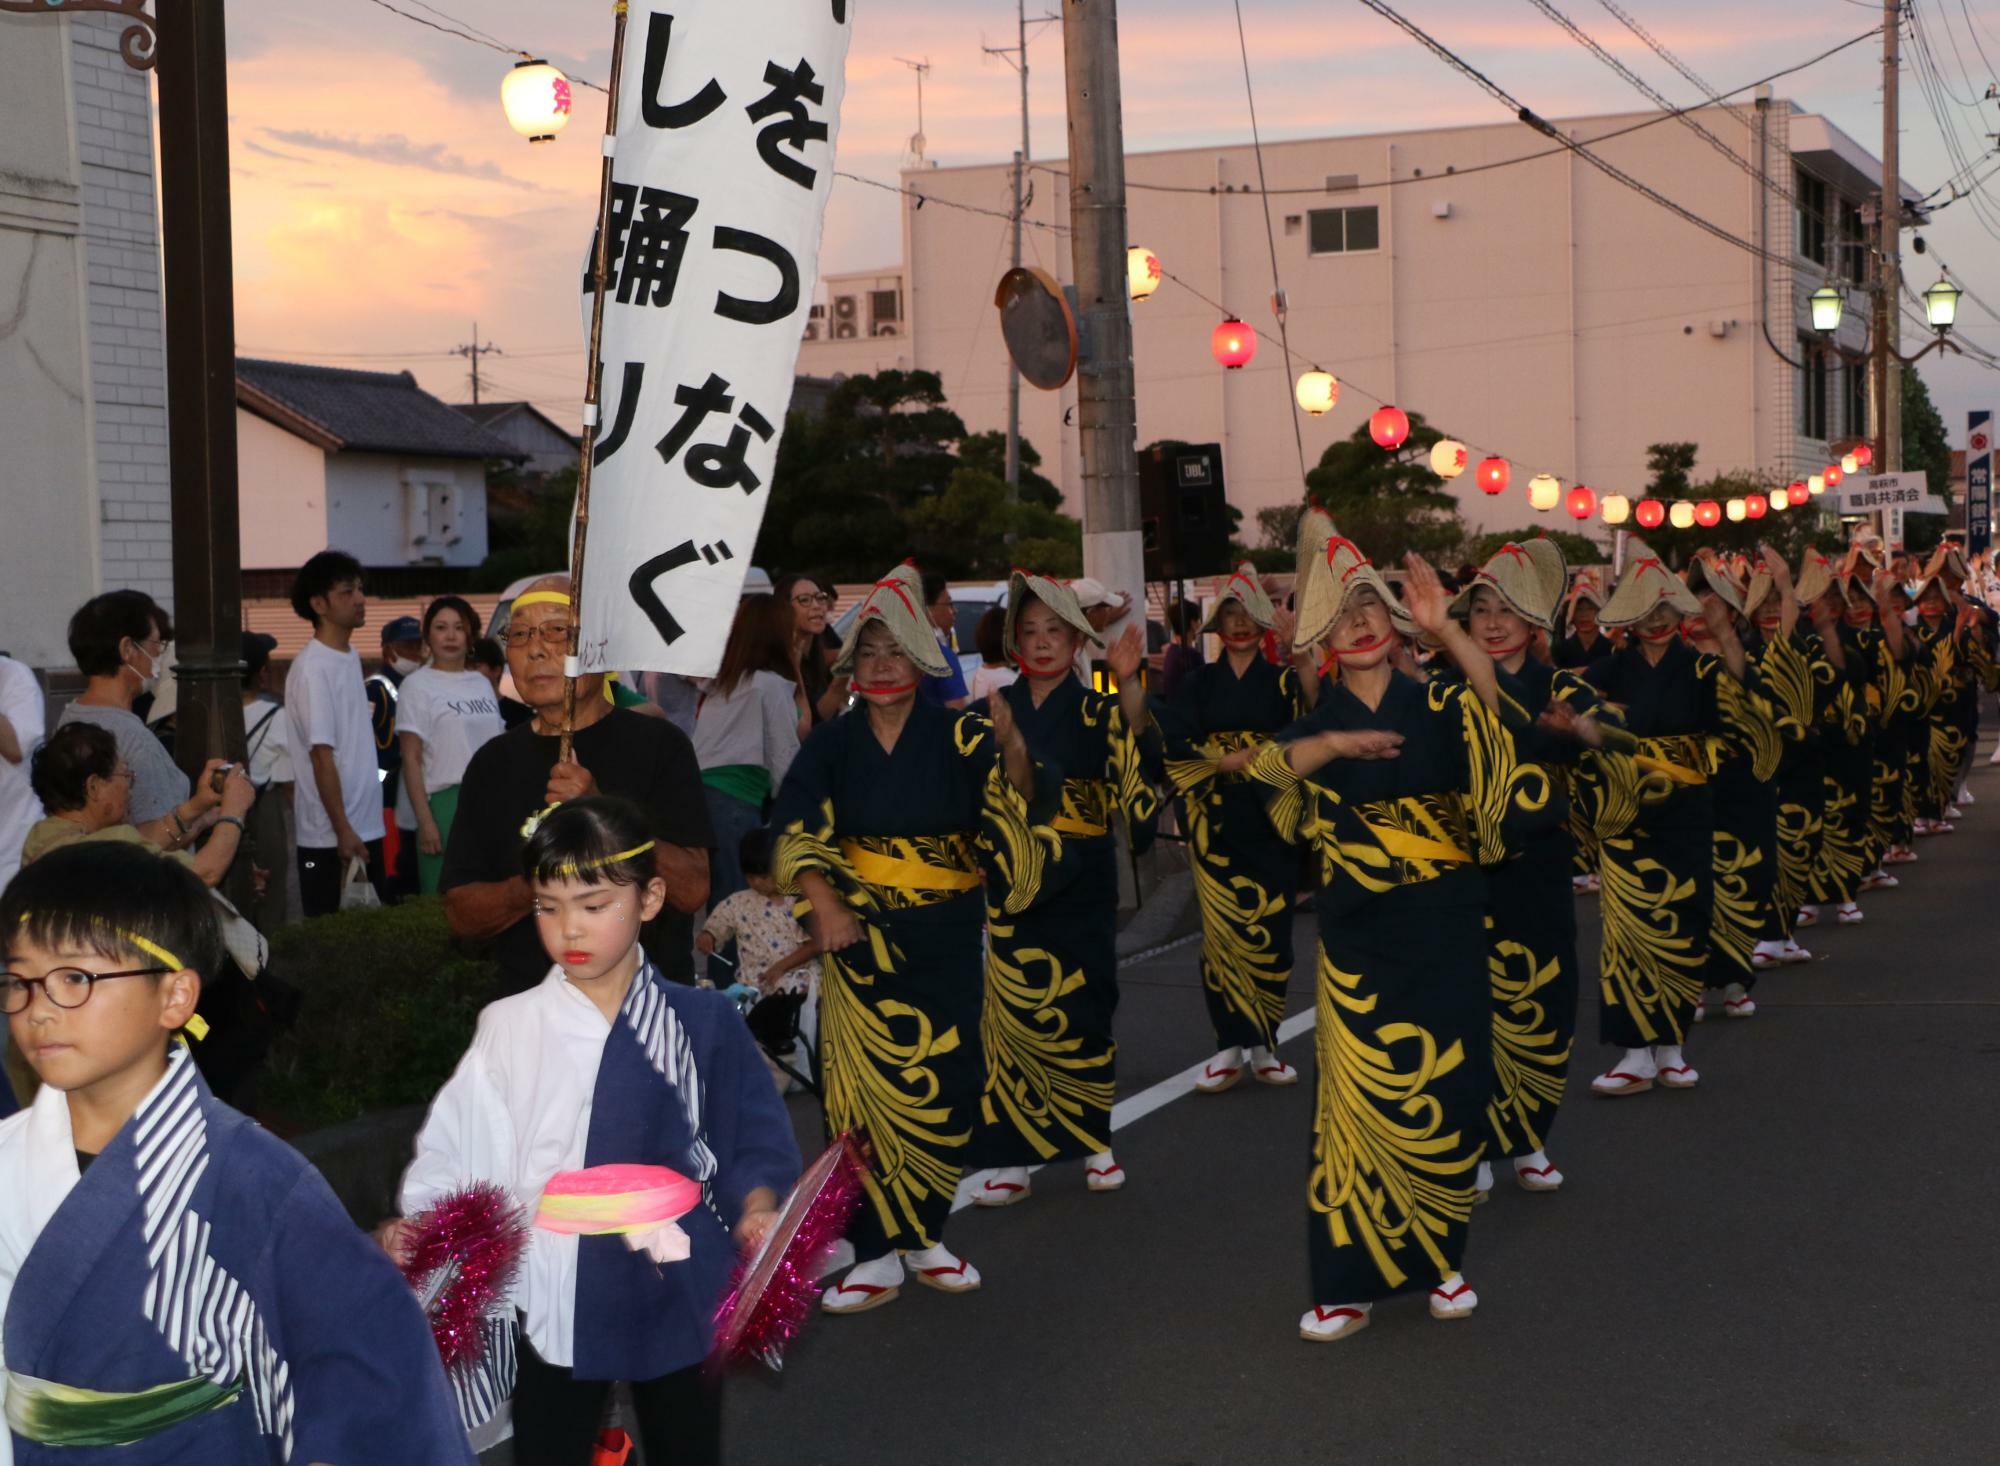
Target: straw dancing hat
[(1815, 576), (1332, 580), (1588, 586), (1246, 590), (1057, 595), (1706, 573), (1315, 529), (1527, 576), (1645, 584), (897, 602)]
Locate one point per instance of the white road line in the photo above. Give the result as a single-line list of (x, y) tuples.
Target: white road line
[(1136, 1107)]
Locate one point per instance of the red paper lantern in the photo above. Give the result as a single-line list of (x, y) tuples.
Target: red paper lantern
[(1708, 514), (1582, 502), (1651, 514), (1834, 475), (1798, 494), (1492, 474), (1754, 506), (1863, 454), (1388, 426), (1234, 344)]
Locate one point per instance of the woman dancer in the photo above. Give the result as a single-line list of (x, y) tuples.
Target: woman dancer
[(1052, 967), (1244, 875), (1531, 911), (1686, 709), (1819, 858), (1393, 785), (887, 820)]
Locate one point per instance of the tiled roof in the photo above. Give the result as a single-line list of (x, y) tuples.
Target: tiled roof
[(362, 412)]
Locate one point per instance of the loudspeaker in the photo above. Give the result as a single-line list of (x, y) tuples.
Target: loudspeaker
[(1183, 512)]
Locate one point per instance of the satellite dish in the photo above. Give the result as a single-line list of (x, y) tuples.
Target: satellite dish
[(1038, 326)]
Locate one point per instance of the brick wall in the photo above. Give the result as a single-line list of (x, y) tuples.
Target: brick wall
[(114, 130)]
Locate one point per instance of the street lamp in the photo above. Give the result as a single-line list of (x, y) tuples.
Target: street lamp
[(1827, 303), (536, 98), (1941, 305)]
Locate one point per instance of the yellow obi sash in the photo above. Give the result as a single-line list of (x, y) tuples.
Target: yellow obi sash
[(901, 872), (1388, 820), (1682, 757)]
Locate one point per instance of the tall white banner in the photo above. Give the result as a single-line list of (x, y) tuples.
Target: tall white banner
[(727, 119)]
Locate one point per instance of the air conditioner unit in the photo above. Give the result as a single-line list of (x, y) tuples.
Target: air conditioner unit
[(882, 329), (1342, 182), (846, 308), (844, 331), (812, 330)]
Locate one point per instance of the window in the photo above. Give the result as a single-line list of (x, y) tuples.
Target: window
[(1343, 231), (1812, 392), (1853, 244), (1854, 391), (1811, 195)]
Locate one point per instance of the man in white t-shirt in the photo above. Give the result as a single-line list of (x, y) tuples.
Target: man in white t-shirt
[(337, 795), (23, 720)]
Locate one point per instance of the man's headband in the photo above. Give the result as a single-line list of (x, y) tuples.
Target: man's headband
[(542, 598)]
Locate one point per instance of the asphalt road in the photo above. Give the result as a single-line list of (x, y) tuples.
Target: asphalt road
[(1788, 1264)]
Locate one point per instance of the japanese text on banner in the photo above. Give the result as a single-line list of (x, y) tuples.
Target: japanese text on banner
[(727, 119)]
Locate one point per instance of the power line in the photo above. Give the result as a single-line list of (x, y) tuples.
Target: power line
[(1625, 19), (1278, 303)]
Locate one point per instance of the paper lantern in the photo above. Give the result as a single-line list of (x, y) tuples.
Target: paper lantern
[(1317, 392), (1735, 511), (1681, 516), (1754, 506), (1388, 426), (1615, 509), (536, 99), (1447, 458), (1833, 475), (1799, 493), (1708, 514), (1581, 503), (1849, 464), (1234, 344), (1781, 500), (1863, 454), (1651, 513), (1493, 474), (1815, 486), (1544, 492), (1142, 272)]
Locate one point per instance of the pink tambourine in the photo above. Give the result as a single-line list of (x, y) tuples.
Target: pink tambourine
[(639, 1203)]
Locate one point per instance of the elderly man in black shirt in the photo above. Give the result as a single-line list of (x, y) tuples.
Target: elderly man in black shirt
[(514, 776)]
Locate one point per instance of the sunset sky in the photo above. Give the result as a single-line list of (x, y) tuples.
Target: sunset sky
[(382, 203)]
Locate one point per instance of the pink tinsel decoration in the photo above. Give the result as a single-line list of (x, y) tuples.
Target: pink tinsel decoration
[(463, 1258), (775, 1289)]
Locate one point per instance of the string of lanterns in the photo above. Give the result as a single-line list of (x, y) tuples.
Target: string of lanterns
[(1234, 346)]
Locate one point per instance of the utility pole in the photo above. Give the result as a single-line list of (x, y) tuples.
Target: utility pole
[(1106, 414), (1887, 314), (1016, 56), (472, 353)]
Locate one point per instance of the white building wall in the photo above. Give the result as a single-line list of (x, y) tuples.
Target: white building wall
[(114, 147), (281, 482), (1541, 310), (371, 511)]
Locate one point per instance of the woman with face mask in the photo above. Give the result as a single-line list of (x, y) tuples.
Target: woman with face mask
[(1052, 969), (1400, 790), (1688, 710), (1558, 724), (1245, 877), (892, 819)]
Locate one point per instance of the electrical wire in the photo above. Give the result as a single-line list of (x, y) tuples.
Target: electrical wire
[(1278, 302)]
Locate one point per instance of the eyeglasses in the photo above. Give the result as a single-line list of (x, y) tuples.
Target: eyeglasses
[(810, 599), (549, 633), (66, 987)]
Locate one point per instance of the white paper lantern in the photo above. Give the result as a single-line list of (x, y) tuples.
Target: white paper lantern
[(1735, 509), (1544, 492), (1616, 508), (1849, 464), (1448, 458), (537, 100), (1142, 271), (1816, 485), (1780, 500), (1681, 516), (1317, 392)]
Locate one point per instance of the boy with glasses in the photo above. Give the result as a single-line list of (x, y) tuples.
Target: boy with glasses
[(175, 1281)]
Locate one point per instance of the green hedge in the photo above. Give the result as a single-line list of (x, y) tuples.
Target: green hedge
[(389, 1003)]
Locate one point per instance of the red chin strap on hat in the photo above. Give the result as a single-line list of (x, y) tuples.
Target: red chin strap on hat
[(894, 690)]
